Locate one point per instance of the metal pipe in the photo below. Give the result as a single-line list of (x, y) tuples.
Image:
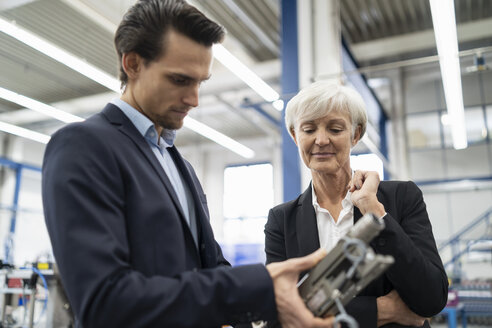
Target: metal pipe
[(32, 302), (405, 63)]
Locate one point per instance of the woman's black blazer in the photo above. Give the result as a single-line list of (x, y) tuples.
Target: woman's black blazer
[(417, 274)]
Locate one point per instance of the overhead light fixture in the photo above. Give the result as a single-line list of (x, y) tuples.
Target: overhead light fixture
[(218, 137), (443, 19), (244, 73), (98, 76), (25, 133), (38, 106), (59, 55), (278, 104)]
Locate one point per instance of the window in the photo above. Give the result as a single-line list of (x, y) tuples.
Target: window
[(489, 120), (248, 196), (475, 127), (30, 240), (367, 162), (423, 130)]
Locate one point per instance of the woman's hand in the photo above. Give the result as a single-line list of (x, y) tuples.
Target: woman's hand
[(364, 186), (392, 309)]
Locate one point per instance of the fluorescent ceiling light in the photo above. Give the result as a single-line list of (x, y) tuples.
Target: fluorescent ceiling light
[(38, 106), (218, 137), (35, 105), (278, 104), (25, 133), (443, 18), (244, 73), (96, 75), (60, 55)]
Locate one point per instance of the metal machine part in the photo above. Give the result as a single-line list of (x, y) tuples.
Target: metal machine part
[(348, 268)]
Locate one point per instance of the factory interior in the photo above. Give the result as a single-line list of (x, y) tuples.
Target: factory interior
[(58, 65)]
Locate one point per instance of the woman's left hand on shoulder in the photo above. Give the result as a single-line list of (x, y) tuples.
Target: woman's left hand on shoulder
[(364, 186)]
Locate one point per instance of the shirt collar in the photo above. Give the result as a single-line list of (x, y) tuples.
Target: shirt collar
[(346, 202), (145, 126)]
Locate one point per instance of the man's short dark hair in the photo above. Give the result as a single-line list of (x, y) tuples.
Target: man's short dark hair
[(145, 25)]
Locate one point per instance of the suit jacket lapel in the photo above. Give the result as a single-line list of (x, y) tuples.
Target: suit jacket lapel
[(178, 159), (204, 231), (357, 214), (306, 225), (117, 117)]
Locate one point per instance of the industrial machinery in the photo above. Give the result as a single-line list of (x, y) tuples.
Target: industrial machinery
[(348, 268), (20, 292), (25, 289)]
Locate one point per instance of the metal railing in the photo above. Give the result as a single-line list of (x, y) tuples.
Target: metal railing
[(461, 245)]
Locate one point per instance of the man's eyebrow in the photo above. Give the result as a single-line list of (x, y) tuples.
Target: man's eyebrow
[(188, 77)]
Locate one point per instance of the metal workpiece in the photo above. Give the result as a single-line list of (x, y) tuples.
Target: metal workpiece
[(348, 268)]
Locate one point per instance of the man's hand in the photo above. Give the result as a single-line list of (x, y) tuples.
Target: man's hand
[(364, 186), (391, 308), (291, 309)]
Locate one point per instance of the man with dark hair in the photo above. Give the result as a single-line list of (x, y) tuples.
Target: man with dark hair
[(126, 214)]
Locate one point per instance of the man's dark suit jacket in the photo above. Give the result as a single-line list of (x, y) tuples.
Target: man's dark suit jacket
[(125, 253), (417, 274)]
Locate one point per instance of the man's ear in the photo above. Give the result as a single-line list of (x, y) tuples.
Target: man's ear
[(131, 63), (357, 133)]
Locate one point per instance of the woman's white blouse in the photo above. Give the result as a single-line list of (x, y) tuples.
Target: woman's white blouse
[(329, 231)]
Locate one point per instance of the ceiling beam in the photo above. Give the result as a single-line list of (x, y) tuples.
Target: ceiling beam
[(258, 32), (11, 4), (400, 44)]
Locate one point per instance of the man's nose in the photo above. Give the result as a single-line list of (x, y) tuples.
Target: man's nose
[(191, 97)]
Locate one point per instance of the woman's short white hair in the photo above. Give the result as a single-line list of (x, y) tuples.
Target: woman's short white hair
[(320, 98)]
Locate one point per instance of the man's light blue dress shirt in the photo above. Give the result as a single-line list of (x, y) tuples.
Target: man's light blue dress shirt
[(159, 145)]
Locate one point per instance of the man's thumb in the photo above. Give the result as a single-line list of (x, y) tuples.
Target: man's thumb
[(308, 261)]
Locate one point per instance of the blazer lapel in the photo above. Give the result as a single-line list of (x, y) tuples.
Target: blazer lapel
[(306, 225), (117, 117), (357, 214), (204, 232), (178, 159)]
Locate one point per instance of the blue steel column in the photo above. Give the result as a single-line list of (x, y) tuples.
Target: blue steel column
[(9, 243), (290, 86)]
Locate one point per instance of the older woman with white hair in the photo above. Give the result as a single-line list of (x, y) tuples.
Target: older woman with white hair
[(326, 120)]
